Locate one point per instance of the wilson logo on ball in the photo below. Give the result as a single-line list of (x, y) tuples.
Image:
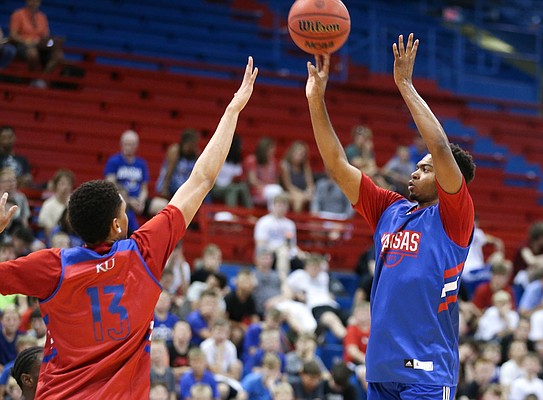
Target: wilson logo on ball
[(318, 27)]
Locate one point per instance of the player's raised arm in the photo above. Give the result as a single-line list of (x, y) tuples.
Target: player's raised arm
[(332, 153), (446, 169), (190, 195)]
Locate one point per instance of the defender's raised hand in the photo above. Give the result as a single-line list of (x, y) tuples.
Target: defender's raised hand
[(242, 96), (317, 77), (5, 215), (404, 59)]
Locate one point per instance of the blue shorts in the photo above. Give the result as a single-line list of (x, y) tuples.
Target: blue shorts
[(403, 391)]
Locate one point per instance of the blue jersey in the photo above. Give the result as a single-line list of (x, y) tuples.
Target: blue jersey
[(414, 309), (130, 175), (413, 299)]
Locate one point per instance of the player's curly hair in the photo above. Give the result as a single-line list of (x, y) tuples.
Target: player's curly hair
[(24, 362), (91, 209), (464, 161)]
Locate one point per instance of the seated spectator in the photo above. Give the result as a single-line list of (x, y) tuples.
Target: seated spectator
[(23, 342), (210, 262), (397, 171), (260, 384), (417, 149), (216, 282), (201, 391), (178, 164), (296, 176), (29, 30), (221, 355), (24, 241), (26, 370), (283, 391), (310, 385), (8, 183), (278, 233), (530, 383), (311, 285), (158, 391), (532, 297), (38, 329), (305, 348), (230, 186), (199, 374), (240, 305), (9, 332), (161, 373), (357, 335), (262, 173), (476, 268), (178, 348), (64, 226), (164, 319), (329, 201), (180, 269), (270, 342), (499, 319), (7, 51), (512, 368), (529, 257), (9, 159), (268, 282), (201, 319), (52, 208), (131, 174), (251, 341), (338, 387), (360, 154), (483, 373), (499, 280)]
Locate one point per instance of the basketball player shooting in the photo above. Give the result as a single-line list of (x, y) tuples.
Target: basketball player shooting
[(98, 300), (421, 243)]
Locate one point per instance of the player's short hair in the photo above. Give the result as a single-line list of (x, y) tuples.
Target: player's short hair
[(464, 161), (91, 208), (24, 362)]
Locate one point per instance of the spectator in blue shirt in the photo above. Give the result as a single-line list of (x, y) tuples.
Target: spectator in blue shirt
[(259, 385), (199, 374)]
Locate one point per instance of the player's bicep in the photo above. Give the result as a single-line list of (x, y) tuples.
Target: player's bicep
[(348, 179), (446, 169), (189, 197)]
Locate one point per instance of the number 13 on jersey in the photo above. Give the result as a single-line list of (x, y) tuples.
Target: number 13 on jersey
[(116, 325)]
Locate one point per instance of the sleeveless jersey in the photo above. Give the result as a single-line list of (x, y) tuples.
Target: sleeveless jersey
[(414, 329), (85, 348)]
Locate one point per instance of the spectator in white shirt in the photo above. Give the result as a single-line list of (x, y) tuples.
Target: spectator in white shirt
[(530, 383)]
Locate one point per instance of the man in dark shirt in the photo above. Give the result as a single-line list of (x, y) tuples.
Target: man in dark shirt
[(16, 162)]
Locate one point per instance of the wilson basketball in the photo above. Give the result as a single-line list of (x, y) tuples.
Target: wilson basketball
[(319, 26)]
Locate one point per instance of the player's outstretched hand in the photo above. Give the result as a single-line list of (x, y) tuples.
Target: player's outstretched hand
[(242, 96), (404, 59), (317, 77), (5, 215)]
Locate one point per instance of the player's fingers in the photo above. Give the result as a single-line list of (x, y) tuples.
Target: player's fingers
[(11, 212), (415, 47), (395, 50), (401, 47), (3, 201), (410, 41), (310, 68), (326, 62)]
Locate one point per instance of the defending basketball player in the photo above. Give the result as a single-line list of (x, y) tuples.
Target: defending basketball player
[(421, 244), (98, 300)]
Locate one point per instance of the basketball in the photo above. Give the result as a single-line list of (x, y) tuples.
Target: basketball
[(319, 26)]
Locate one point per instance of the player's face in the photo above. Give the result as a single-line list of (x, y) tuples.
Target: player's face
[(422, 186)]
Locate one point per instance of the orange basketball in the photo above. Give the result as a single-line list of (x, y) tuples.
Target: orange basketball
[(319, 26)]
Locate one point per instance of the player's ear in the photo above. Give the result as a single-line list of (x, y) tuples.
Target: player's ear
[(27, 380)]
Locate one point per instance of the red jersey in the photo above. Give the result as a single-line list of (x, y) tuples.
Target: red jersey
[(98, 307)]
